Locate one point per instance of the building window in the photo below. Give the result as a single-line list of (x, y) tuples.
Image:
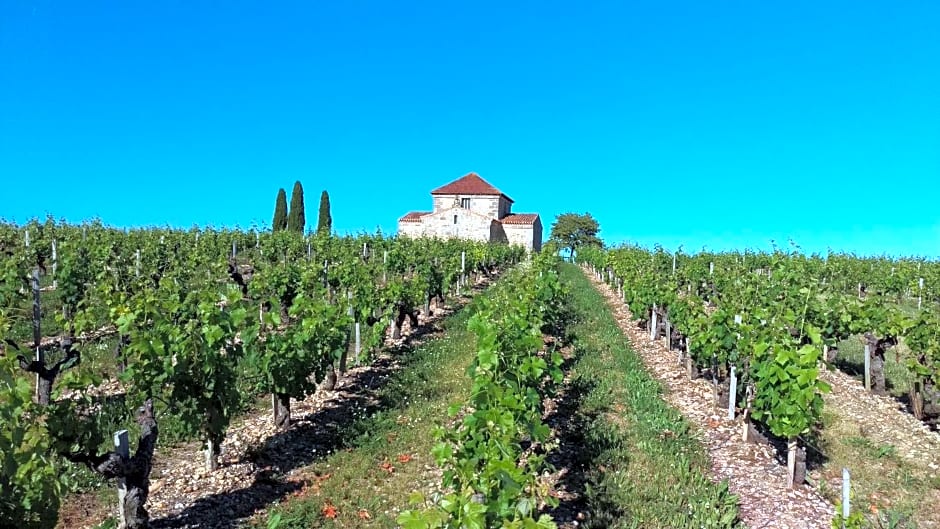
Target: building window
[(465, 203), (455, 219)]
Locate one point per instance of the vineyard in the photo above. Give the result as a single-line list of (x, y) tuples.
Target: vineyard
[(368, 381), (167, 335), (767, 330)]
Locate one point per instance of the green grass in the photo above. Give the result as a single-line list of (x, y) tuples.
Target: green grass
[(851, 360), (891, 491), (644, 467)]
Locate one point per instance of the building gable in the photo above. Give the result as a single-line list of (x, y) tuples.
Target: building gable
[(469, 184)]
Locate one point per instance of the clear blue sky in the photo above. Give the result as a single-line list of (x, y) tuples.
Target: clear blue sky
[(720, 123)]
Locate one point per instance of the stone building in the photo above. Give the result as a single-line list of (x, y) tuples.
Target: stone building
[(471, 208)]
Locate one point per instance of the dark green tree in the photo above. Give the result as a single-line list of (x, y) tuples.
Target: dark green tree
[(280, 211), (573, 231), (296, 220), (325, 221)]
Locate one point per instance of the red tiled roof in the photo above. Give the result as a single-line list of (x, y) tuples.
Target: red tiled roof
[(469, 184), (520, 218), (414, 216)]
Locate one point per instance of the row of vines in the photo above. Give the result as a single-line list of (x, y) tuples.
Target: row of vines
[(762, 326), (104, 329), (494, 452)]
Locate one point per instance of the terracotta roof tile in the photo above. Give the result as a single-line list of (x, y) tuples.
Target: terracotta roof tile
[(469, 184), (520, 218), (414, 216)]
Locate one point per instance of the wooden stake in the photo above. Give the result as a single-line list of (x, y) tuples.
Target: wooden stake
[(846, 495), (867, 367), (211, 462), (732, 394), (37, 331), (122, 448), (358, 343), (653, 324), (920, 292), (791, 462), (55, 265)]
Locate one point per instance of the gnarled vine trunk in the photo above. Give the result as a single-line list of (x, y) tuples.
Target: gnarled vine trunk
[(135, 470), (281, 411)]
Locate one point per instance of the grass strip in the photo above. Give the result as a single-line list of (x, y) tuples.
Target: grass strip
[(644, 466)]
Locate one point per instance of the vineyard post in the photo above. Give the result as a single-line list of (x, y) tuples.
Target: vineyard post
[(358, 343), (920, 291), (123, 449), (746, 423), (234, 249), (859, 291), (351, 313), (674, 262), (711, 268), (308, 250), (653, 324), (385, 266), (846, 496), (37, 333), (868, 367), (732, 394), (55, 265), (791, 462), (27, 238), (668, 334), (211, 462), (137, 262), (463, 268)]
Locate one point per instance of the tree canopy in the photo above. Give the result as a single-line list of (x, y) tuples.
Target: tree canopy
[(296, 220), (325, 220), (280, 211), (574, 230)]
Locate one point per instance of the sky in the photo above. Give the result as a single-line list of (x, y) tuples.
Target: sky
[(721, 124)]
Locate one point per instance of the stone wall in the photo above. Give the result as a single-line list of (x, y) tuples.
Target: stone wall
[(528, 235), (505, 207), (493, 206), (454, 222)]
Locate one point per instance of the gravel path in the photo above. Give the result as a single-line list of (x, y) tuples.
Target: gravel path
[(752, 470)]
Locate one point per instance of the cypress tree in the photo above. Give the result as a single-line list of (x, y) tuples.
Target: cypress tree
[(325, 221), (280, 211), (296, 221)]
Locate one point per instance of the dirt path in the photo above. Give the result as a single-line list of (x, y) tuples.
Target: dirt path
[(259, 465), (753, 470)]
